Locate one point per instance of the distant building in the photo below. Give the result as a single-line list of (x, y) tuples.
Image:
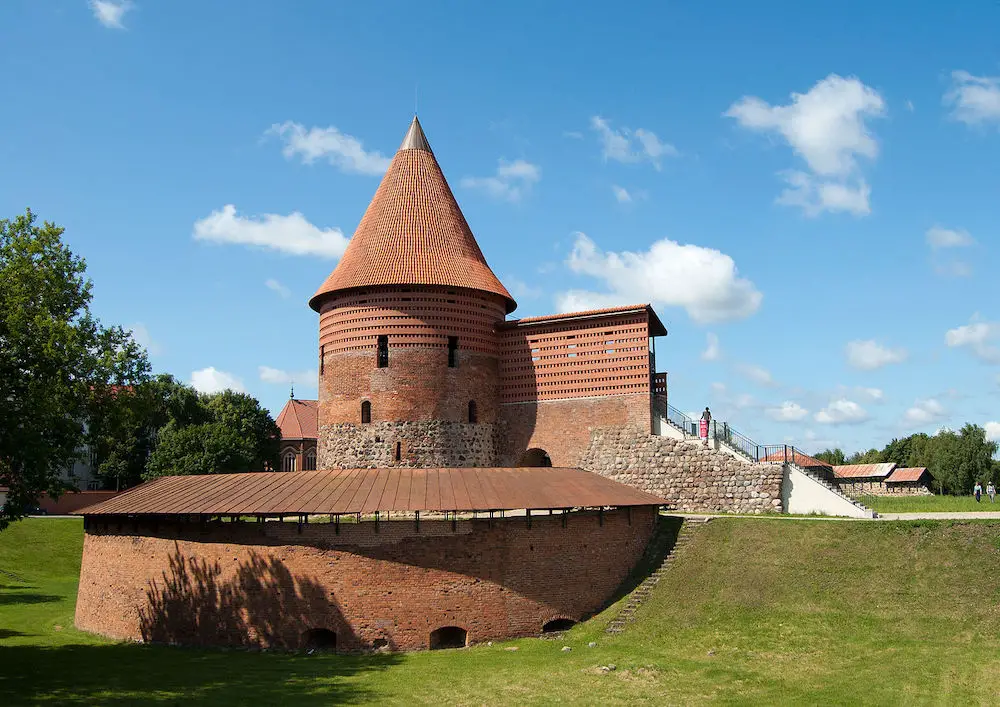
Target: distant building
[(298, 423), (882, 479)]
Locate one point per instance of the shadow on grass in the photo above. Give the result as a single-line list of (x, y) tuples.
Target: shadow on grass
[(126, 674), (10, 633), (9, 598)]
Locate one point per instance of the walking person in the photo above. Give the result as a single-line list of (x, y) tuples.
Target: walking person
[(706, 420), (991, 491), (978, 491)]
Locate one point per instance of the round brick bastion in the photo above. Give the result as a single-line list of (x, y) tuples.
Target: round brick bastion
[(158, 568)]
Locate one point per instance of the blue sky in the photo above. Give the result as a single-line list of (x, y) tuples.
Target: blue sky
[(808, 195)]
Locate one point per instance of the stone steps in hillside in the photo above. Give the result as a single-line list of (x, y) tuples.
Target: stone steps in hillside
[(645, 588)]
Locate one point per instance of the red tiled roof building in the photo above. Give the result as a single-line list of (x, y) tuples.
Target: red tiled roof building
[(418, 366)]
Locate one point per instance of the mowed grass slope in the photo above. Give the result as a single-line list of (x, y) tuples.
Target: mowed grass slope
[(754, 612)]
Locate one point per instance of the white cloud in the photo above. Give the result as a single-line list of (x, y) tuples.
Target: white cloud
[(712, 351), (977, 337), (924, 412), (758, 374), (874, 394), (278, 376), (111, 13), (277, 287), (941, 237), (975, 99), (788, 411), (841, 412), (289, 234), (992, 431), (702, 280), (210, 380), (142, 337), (814, 197), (339, 149), (621, 194), (828, 128), (625, 145), (869, 355), (511, 182)]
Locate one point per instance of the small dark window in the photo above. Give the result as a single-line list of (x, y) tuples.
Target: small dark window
[(473, 414), (309, 462), (399, 451), (383, 351), (452, 349), (322, 359), (366, 412)]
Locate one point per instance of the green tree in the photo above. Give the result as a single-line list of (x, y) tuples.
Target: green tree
[(834, 457), (55, 358), (237, 435), (124, 425), (244, 414), (872, 456), (209, 448)]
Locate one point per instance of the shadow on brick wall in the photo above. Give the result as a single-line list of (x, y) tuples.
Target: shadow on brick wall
[(261, 604)]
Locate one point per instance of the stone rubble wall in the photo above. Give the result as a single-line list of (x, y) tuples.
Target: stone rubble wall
[(867, 487), (424, 444), (690, 476)]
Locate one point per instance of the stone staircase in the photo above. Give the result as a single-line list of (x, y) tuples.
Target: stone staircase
[(645, 588), (835, 489)]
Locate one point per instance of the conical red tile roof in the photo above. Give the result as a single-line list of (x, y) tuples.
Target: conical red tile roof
[(299, 419), (413, 233)]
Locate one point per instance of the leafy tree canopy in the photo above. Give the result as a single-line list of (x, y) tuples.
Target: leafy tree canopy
[(55, 359)]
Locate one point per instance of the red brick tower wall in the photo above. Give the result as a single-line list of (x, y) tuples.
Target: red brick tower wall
[(391, 585), (420, 407), (563, 378)]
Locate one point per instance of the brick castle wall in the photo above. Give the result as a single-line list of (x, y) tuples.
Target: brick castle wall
[(392, 585), (691, 476), (563, 428), (429, 443)]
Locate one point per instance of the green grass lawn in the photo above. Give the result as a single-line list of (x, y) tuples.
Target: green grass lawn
[(755, 612), (928, 504)]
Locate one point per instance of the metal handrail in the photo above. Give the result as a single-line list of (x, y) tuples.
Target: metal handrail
[(681, 420)]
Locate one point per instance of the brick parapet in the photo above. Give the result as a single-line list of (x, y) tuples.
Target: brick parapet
[(388, 584)]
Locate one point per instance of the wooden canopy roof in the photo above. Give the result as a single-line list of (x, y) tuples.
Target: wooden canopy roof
[(370, 490)]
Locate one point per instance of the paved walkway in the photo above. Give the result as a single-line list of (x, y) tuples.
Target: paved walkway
[(961, 515), (975, 515)]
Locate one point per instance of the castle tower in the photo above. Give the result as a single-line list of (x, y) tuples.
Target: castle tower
[(409, 350)]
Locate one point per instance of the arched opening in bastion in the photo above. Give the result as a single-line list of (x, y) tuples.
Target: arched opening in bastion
[(448, 637), (535, 457), (557, 625), (319, 639)]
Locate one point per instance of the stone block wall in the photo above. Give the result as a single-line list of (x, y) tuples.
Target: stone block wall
[(388, 584), (425, 444), (689, 475)]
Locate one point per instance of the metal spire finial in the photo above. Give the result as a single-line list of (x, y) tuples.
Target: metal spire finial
[(415, 138), (291, 395)]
